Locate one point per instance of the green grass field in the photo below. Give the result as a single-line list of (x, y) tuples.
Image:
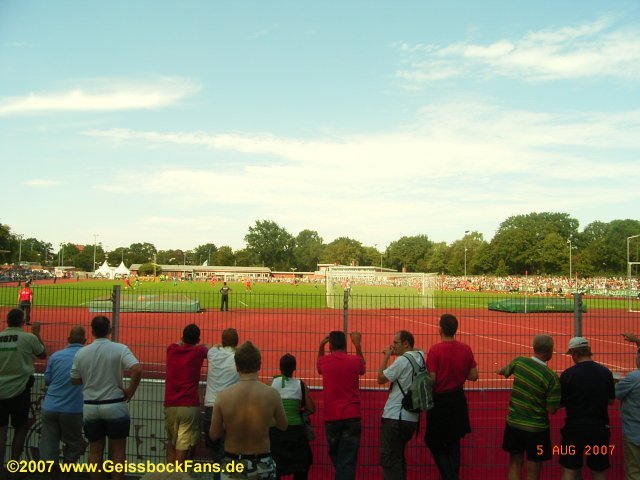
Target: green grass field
[(269, 295)]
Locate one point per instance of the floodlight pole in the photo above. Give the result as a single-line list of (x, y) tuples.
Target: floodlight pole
[(20, 251), (95, 241), (465, 255), (570, 269), (629, 268)]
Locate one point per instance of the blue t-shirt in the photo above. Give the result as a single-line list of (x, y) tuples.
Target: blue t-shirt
[(62, 396)]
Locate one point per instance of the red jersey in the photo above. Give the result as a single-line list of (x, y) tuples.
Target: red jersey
[(183, 375), (25, 295), (451, 361), (341, 385)]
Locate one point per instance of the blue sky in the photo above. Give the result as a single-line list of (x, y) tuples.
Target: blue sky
[(181, 123)]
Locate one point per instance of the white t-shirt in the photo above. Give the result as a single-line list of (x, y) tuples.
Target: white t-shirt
[(221, 373), (100, 366), (401, 370)]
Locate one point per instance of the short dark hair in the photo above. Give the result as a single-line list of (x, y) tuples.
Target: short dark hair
[(448, 324), (229, 337), (191, 334), (406, 336), (248, 358), (337, 340), (100, 326), (15, 317), (288, 365)]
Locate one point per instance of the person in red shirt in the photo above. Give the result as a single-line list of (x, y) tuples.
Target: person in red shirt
[(25, 298), (450, 364), (341, 390), (181, 398)]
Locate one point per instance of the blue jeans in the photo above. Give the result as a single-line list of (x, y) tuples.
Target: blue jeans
[(343, 440)]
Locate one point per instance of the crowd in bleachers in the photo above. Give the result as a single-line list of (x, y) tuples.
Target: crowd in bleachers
[(539, 284)]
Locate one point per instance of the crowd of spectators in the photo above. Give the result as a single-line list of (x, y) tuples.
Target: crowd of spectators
[(539, 284)]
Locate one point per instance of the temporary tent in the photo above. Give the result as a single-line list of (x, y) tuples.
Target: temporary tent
[(104, 271), (122, 270)]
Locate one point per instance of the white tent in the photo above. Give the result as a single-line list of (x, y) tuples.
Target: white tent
[(104, 271), (122, 270)]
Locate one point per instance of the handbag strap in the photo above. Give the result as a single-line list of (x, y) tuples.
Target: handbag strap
[(303, 401)]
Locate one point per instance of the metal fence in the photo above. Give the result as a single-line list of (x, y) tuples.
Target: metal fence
[(290, 323)]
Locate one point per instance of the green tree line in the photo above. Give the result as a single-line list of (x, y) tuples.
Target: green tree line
[(536, 243)]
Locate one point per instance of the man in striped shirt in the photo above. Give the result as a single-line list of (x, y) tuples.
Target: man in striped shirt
[(535, 393)]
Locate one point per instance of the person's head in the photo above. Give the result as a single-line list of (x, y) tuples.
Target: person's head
[(100, 326), (15, 317), (638, 358), (403, 342), (543, 347), (230, 337), (337, 341), (248, 358), (77, 335), (287, 365), (579, 349), (448, 325), (191, 334)]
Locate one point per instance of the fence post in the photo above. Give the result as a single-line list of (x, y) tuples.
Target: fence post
[(577, 314), (115, 313), (345, 310)]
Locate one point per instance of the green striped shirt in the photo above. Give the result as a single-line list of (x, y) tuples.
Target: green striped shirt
[(535, 387)]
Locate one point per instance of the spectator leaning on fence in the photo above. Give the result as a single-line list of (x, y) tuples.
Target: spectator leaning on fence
[(341, 391), (290, 448), (451, 364), (17, 349), (535, 393), (99, 367), (628, 392), (587, 390), (63, 404), (181, 397), (221, 374), (398, 425)]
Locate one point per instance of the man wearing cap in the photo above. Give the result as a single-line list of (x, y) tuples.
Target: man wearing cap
[(587, 390), (628, 392)]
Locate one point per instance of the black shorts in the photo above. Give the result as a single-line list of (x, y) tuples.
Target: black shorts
[(590, 442), (537, 445), (16, 407)]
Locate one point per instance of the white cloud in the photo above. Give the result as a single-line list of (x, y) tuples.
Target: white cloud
[(474, 158), (102, 96), (595, 49)]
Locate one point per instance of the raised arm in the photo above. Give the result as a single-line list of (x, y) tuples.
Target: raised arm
[(387, 352), (356, 339)]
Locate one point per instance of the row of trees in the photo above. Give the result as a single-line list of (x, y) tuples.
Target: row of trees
[(537, 243)]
